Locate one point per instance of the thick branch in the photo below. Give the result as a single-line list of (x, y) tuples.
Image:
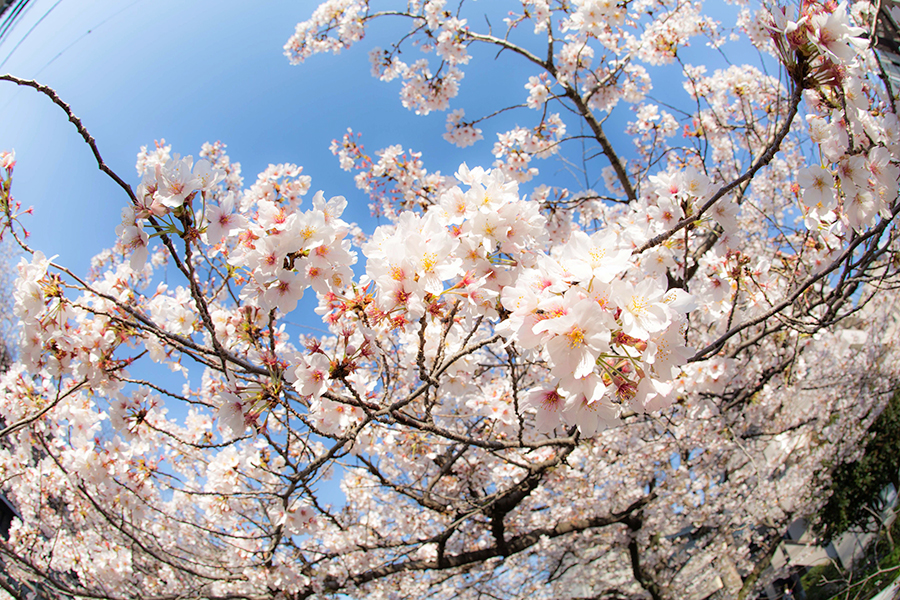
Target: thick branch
[(634, 523), (762, 161), (604, 142), (513, 546)]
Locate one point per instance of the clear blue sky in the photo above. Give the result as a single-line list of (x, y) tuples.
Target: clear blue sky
[(191, 72), (207, 70)]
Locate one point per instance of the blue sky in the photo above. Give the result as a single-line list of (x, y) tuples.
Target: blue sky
[(190, 72)]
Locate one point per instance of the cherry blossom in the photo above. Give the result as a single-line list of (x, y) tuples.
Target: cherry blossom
[(508, 388)]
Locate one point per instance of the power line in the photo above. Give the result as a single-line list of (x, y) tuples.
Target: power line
[(27, 33), (84, 35), (12, 17)]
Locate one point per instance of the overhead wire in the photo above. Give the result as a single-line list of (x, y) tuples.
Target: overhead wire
[(84, 35), (64, 50), (11, 18), (27, 33)]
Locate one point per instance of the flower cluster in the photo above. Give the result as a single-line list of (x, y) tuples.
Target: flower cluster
[(857, 179), (283, 251), (345, 17), (165, 194), (397, 180), (460, 133), (608, 343), (515, 149)]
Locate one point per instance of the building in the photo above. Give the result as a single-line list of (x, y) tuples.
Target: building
[(887, 41)]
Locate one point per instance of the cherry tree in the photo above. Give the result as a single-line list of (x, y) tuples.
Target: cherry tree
[(627, 389)]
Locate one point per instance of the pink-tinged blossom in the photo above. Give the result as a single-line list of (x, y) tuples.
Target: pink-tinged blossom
[(725, 213), (423, 92), (281, 183), (589, 389), (222, 220), (385, 66), (594, 17), (696, 183), (643, 310), (331, 209), (133, 237), (667, 352), (818, 188), (299, 519), (285, 291), (590, 417), (451, 44), (430, 250), (860, 209), (332, 418), (231, 414), (515, 149), (148, 201), (175, 181), (29, 295), (311, 375), (652, 395), (460, 133), (853, 174), (456, 206), (86, 463), (538, 91), (832, 138), (682, 302), (578, 337), (884, 173), (206, 175), (147, 160), (548, 405), (344, 17), (7, 159), (831, 33), (524, 300), (594, 257)]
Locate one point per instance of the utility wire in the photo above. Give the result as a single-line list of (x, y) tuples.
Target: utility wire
[(11, 18), (84, 35), (27, 33)]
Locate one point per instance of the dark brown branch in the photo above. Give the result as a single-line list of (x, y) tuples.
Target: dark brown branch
[(762, 161), (580, 104), (605, 144), (513, 546), (89, 140), (635, 521), (845, 255)]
